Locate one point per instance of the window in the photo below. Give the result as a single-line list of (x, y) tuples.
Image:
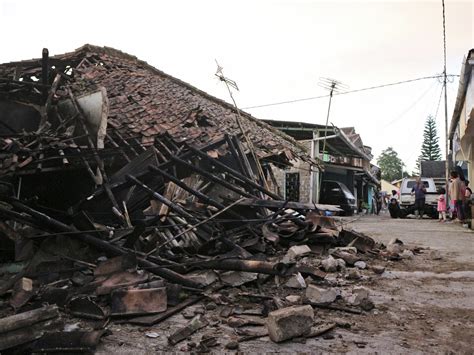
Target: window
[(292, 186)]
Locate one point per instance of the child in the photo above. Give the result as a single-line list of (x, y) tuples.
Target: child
[(442, 205)]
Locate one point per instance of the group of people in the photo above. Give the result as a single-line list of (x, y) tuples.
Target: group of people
[(458, 209), (459, 193), (460, 199)]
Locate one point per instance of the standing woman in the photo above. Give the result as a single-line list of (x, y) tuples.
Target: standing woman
[(456, 194)]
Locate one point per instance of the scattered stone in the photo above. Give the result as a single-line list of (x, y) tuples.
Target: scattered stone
[(341, 264), (360, 344), (367, 305), (329, 264), (298, 251), (395, 248), (328, 336), (349, 258), (237, 278), (293, 299), (360, 264), (359, 293), (407, 254), (435, 255), (395, 241), (232, 345), (296, 281), (378, 269), (320, 295), (353, 274), (152, 335), (289, 322)]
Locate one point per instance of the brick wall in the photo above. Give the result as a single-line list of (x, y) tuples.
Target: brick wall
[(304, 172)]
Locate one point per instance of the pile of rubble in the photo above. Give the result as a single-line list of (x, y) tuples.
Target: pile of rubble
[(120, 204), (189, 230)]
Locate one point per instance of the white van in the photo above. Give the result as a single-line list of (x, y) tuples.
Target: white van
[(408, 200)]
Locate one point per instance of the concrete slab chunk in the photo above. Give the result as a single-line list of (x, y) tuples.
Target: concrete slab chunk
[(296, 281), (320, 295), (289, 322), (298, 251)]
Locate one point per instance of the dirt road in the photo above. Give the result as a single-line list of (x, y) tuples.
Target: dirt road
[(423, 305)]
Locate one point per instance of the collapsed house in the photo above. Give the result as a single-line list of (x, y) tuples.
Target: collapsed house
[(127, 193)]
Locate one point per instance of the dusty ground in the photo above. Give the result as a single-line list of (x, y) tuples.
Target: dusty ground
[(424, 305)]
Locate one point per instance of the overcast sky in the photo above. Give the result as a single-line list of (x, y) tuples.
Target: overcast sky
[(276, 51)]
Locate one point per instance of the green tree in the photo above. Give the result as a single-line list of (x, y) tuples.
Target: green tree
[(430, 149), (390, 164)]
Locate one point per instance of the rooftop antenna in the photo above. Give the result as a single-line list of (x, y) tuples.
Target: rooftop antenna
[(229, 83), (334, 86)]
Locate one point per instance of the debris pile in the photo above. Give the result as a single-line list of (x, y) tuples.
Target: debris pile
[(98, 228), (189, 231)]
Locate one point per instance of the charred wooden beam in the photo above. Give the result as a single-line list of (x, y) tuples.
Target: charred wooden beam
[(239, 177), (211, 177), (103, 245)]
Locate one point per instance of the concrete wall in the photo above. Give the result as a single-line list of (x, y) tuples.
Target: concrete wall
[(303, 169)]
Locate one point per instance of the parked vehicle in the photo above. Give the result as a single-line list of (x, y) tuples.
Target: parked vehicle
[(336, 193), (407, 199)]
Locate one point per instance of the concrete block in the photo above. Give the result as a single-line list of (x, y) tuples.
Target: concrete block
[(407, 254), (298, 251), (320, 295), (294, 299), (353, 274), (378, 269), (289, 322), (359, 295), (329, 264), (296, 281)]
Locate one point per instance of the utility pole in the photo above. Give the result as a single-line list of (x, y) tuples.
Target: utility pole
[(445, 104)]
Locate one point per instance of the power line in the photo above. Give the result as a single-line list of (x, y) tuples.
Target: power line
[(348, 92), (418, 100)]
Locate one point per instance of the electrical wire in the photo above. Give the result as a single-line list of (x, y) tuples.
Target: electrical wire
[(348, 92), (415, 103)]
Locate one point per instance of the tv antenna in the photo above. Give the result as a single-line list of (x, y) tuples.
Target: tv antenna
[(229, 83), (334, 86)]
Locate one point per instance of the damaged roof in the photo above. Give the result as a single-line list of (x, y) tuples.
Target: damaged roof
[(145, 102)]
